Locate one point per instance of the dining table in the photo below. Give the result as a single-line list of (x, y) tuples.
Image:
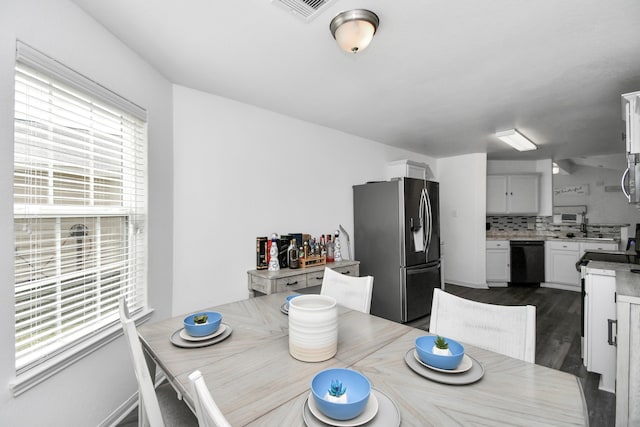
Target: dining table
[(256, 382)]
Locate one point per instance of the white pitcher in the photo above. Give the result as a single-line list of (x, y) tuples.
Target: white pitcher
[(313, 327)]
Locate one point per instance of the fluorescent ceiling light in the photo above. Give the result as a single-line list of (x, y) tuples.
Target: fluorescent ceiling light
[(516, 140)]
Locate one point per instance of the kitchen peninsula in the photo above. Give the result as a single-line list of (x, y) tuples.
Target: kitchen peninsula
[(612, 303)]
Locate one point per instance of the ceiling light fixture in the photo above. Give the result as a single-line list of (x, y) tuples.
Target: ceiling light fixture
[(516, 140), (354, 29)]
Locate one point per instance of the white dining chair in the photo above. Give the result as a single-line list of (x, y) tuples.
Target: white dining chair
[(174, 412), (349, 291), (208, 413), (509, 330)]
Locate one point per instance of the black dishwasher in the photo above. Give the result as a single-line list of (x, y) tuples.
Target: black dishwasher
[(527, 262)]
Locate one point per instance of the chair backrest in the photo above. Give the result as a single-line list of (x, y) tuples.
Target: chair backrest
[(509, 330), (208, 413), (349, 291), (148, 400)]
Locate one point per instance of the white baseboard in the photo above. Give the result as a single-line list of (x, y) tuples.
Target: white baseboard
[(497, 284), (128, 405), (468, 285), (121, 412)]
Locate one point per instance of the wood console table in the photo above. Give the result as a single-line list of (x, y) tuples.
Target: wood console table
[(267, 282)]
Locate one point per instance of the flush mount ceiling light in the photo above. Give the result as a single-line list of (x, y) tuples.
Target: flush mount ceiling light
[(516, 140), (354, 29)]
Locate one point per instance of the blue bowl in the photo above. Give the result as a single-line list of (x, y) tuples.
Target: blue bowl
[(290, 297), (424, 347), (201, 329), (358, 389)]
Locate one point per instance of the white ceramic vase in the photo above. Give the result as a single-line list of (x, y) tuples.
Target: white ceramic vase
[(313, 328)]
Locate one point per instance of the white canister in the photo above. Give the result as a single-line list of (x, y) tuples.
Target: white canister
[(313, 327)]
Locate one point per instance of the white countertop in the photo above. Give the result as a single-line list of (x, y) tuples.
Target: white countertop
[(627, 283), (543, 235)]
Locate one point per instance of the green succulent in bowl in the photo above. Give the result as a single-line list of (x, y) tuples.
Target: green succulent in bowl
[(441, 346), (201, 319), (441, 343)]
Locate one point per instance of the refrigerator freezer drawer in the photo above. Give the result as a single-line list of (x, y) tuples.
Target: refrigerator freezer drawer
[(419, 285)]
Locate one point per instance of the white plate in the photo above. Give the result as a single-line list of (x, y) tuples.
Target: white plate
[(388, 413), (464, 366), (179, 342), (185, 336), (471, 376), (367, 415)]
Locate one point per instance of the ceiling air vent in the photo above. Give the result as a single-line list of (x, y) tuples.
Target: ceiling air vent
[(305, 9)]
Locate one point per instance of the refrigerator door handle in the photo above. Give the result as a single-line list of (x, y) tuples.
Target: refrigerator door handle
[(425, 209), (623, 185)]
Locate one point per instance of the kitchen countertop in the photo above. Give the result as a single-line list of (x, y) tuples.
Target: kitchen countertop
[(627, 283), (543, 235)]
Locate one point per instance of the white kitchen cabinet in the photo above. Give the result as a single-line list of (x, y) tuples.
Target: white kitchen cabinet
[(498, 268), (631, 115), (599, 326), (560, 261), (591, 246), (513, 194), (408, 169), (560, 264)]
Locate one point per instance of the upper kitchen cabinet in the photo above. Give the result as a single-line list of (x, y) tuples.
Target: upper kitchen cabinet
[(513, 194), (409, 169), (631, 116)]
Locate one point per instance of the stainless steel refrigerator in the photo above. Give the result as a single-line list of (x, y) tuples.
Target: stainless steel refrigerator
[(397, 241)]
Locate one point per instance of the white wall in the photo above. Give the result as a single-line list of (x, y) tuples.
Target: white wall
[(242, 172), (85, 393), (602, 206), (463, 196), (542, 167)]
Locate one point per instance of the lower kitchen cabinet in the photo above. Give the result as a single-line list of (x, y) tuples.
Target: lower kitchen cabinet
[(560, 260), (286, 279), (628, 371), (600, 325), (498, 271), (560, 264)]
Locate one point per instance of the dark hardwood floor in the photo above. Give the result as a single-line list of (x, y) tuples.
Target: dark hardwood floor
[(557, 337)]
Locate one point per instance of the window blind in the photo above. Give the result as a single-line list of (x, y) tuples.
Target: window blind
[(79, 207)]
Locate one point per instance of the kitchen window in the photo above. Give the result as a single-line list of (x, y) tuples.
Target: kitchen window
[(79, 213)]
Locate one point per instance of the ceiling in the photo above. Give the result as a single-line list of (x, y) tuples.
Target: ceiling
[(439, 78)]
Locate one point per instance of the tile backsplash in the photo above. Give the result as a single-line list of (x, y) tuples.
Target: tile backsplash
[(513, 224)]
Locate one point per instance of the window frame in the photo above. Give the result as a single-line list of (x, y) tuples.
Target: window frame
[(97, 336)]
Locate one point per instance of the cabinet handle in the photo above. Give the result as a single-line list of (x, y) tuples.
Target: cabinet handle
[(610, 338), (347, 272), (291, 284), (319, 278)]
